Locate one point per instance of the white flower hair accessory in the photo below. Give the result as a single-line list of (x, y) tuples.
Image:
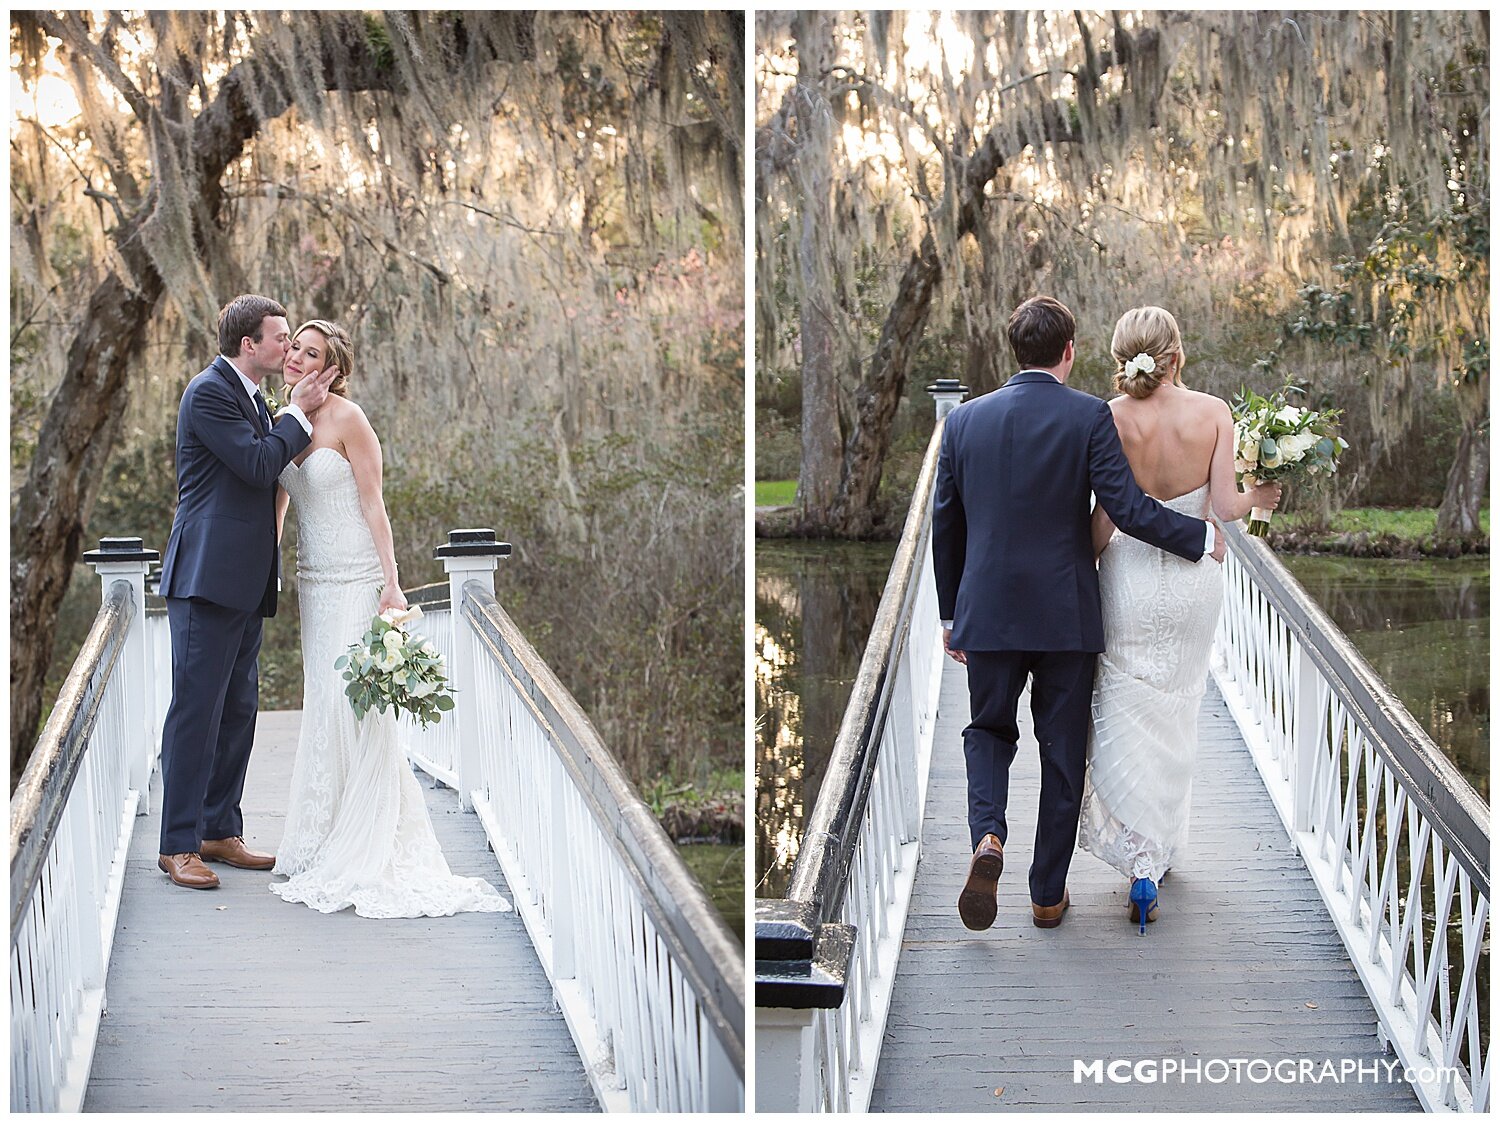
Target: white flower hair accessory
[(1141, 364)]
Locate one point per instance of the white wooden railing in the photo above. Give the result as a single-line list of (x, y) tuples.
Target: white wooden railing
[(1395, 838), (647, 974), (827, 953), (71, 819)]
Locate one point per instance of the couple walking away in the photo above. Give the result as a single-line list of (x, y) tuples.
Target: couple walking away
[(357, 829), (1117, 655)]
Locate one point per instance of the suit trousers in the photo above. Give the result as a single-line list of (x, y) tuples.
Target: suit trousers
[(1062, 684), (210, 724)]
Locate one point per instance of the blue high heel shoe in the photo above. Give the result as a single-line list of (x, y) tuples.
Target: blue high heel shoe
[(1142, 901)]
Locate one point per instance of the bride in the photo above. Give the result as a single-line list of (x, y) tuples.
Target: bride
[(1159, 611), (357, 829)]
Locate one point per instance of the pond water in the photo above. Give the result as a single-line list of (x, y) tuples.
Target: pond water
[(814, 604), (721, 869), (1425, 628), (1423, 625)]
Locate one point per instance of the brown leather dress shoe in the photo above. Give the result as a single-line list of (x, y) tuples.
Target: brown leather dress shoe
[(188, 871), (234, 852), (976, 904), (1049, 916)]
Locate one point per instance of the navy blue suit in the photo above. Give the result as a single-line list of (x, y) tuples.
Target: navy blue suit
[(1016, 574), (219, 579)]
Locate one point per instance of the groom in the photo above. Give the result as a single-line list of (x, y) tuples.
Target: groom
[(219, 579), (1018, 592)]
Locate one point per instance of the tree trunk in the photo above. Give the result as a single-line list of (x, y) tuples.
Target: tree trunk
[(856, 515), (1468, 481), (988, 349), (46, 532), (822, 438)]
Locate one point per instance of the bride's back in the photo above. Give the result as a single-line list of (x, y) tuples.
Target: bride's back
[(1168, 431), (1168, 438)]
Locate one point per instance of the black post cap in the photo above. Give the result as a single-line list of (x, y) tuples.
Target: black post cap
[(121, 549), (797, 967), (472, 543), (947, 386)]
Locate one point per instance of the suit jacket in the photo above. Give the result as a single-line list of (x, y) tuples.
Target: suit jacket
[(1010, 523), (223, 543)]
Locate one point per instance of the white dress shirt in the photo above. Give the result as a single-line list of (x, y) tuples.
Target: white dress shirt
[(253, 388)]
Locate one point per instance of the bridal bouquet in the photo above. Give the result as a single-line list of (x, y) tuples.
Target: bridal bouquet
[(1275, 442), (392, 669)]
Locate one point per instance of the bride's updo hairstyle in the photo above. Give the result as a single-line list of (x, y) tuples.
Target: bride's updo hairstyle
[(340, 352), (1145, 331)]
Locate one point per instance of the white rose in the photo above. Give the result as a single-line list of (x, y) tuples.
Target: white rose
[(427, 648), (423, 689), (1250, 450), (1242, 466), (392, 640), (1288, 448), (1290, 414)]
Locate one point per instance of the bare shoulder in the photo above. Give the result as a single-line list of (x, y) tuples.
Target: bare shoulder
[(1210, 405), (349, 418)]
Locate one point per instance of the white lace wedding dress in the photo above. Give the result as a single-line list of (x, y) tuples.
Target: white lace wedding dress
[(1160, 612), (357, 829)]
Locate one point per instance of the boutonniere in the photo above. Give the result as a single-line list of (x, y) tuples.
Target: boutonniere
[(273, 403)]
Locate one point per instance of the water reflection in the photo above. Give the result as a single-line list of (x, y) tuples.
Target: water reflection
[(1425, 628), (814, 604)]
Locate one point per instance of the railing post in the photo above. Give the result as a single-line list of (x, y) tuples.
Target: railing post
[(801, 966), (947, 393), (469, 555), (785, 1067), (1307, 719), (126, 559), (560, 899)]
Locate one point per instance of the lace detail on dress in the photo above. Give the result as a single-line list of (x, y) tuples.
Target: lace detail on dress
[(357, 829), (1160, 612)]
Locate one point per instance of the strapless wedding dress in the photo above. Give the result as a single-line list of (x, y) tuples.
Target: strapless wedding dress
[(1160, 612), (357, 829)]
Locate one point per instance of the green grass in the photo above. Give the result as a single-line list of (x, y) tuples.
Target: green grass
[(775, 493), (1412, 524)]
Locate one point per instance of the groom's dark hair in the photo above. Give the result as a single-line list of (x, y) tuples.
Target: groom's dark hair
[(243, 316), (1039, 331)]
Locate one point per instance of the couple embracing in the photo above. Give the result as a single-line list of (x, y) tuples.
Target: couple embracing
[(357, 829), (1109, 613)]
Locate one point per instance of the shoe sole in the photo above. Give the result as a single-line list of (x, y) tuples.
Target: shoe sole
[(214, 884), (976, 904)]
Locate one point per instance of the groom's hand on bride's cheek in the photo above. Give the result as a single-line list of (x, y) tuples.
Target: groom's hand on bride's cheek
[(310, 394)]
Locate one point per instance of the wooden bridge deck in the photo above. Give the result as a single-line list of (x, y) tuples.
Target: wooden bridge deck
[(235, 1000), (1244, 961)]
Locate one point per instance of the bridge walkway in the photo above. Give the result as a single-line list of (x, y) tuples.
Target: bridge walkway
[(234, 1000), (1244, 961)]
